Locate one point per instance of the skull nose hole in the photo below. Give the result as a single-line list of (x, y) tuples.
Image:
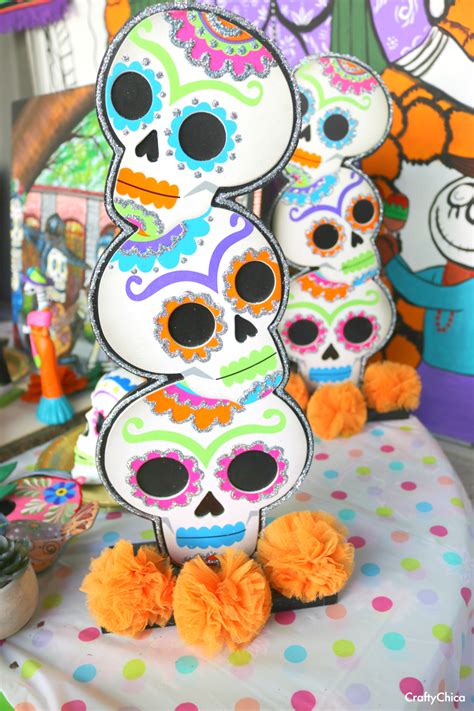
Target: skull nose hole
[(209, 505), (356, 239), (243, 329), (306, 133), (330, 353), (148, 147)]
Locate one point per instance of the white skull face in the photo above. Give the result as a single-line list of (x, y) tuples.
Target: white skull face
[(345, 110), (109, 390), (209, 317), (188, 95), (205, 492), (330, 328), (452, 220), (57, 270), (330, 224)]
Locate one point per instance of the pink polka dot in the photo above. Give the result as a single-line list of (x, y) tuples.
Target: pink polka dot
[(303, 701), (357, 541), (303, 496), (410, 684), (89, 634), (355, 453), (247, 704), (382, 604), (336, 612), (111, 515), (75, 705), (321, 456), (24, 706), (440, 531), (387, 448), (441, 686), (408, 485), (285, 618), (455, 702), (445, 480), (466, 595), (186, 706), (399, 536), (339, 495)]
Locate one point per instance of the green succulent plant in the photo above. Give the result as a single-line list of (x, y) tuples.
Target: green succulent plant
[(14, 559)]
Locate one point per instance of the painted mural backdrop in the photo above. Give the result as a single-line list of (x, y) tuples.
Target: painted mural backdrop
[(425, 169)]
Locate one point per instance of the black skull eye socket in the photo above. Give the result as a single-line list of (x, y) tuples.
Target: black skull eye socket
[(304, 103), (202, 136), (303, 332), (358, 329), (363, 211), (252, 471), (162, 477), (336, 127), (131, 95), (255, 282), (325, 236), (191, 325), (99, 422)]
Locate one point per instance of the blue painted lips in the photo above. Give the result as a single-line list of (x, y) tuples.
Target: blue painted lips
[(330, 375), (205, 537)]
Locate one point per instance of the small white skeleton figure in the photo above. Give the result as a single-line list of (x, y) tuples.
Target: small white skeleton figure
[(109, 390), (57, 270)]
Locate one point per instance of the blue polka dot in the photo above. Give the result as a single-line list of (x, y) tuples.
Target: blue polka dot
[(377, 432), (370, 569), (424, 506), (111, 537), (187, 664), (269, 519), (393, 641), (452, 558), (295, 654), (317, 440), (330, 474), (396, 466), (346, 514), (85, 673)]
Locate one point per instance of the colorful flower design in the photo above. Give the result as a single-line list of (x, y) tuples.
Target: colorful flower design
[(123, 122), (318, 327), (252, 496), (191, 488), (230, 128), (272, 296), (60, 492), (302, 191), (363, 213), (348, 137), (347, 77), (325, 224), (218, 45), (357, 339)]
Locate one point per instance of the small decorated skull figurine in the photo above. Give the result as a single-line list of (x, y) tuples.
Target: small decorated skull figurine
[(190, 294), (109, 390), (329, 213)]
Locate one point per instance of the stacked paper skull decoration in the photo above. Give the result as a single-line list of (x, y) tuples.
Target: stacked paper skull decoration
[(190, 294), (326, 220)]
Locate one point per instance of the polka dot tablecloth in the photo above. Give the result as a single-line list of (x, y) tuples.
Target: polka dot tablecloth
[(402, 627)]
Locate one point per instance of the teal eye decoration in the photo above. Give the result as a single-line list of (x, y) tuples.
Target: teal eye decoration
[(202, 136), (132, 96), (337, 128)]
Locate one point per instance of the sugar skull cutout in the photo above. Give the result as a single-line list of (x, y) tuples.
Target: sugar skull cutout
[(109, 390), (330, 329), (194, 287)]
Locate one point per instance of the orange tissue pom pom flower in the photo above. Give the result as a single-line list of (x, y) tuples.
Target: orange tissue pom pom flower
[(305, 555), (127, 592), (227, 604), (391, 386), (337, 410)]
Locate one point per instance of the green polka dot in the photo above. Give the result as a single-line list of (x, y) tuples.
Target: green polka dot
[(384, 511), (52, 600), (405, 428), (363, 471), (410, 564), (443, 632), (147, 535), (429, 460), (134, 669), (343, 648), (29, 668), (240, 658), (465, 671), (456, 501)]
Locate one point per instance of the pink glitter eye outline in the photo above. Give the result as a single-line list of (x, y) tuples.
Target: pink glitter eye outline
[(192, 488), (252, 496), (364, 345), (311, 347)]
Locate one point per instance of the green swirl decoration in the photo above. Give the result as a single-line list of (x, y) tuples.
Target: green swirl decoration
[(373, 298), (178, 90), (204, 454)]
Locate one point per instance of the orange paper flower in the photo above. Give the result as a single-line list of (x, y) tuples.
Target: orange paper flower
[(127, 592), (337, 410), (391, 386), (305, 555)]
